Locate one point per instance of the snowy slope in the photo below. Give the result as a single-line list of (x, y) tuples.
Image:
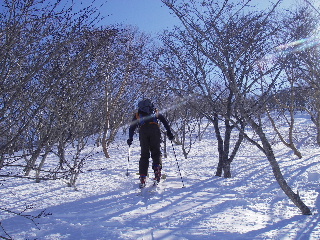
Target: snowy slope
[(107, 204)]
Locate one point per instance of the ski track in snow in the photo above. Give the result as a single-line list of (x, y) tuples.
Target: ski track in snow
[(107, 205)]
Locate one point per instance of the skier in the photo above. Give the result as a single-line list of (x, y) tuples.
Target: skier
[(150, 137)]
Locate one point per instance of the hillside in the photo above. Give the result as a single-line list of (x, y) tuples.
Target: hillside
[(107, 204)]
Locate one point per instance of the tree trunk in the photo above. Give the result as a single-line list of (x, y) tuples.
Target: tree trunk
[(219, 167), (61, 153), (32, 161), (41, 165), (220, 146), (224, 164), (227, 169), (1, 161), (290, 144), (295, 198), (316, 120), (105, 146), (318, 128)]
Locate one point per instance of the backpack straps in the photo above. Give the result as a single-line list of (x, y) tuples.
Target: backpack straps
[(142, 121)]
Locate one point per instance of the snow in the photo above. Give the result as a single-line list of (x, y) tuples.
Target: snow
[(107, 204)]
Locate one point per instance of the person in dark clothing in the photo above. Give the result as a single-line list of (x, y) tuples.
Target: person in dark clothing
[(150, 138)]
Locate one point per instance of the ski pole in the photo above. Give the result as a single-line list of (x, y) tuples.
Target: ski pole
[(183, 186), (127, 174)]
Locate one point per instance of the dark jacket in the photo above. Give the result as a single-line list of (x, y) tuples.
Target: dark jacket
[(141, 118)]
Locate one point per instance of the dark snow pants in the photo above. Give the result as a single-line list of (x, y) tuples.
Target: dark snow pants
[(150, 139)]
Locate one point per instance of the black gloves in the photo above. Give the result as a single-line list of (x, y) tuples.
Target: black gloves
[(170, 135), (129, 141)]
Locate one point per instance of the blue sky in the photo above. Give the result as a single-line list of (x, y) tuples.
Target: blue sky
[(150, 16)]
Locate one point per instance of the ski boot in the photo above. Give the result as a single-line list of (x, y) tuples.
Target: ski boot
[(157, 173), (142, 183)]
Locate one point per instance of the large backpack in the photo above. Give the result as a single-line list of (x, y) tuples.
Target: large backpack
[(146, 106), (151, 114)]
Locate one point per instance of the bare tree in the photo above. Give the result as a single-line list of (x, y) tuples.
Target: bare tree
[(62, 80), (185, 123), (196, 77), (121, 72), (303, 52), (296, 44), (35, 38), (283, 114), (236, 42)]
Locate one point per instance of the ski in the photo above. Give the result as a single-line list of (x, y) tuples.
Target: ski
[(150, 188), (144, 189)]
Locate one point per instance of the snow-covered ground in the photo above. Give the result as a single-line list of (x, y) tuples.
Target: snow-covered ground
[(107, 204)]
